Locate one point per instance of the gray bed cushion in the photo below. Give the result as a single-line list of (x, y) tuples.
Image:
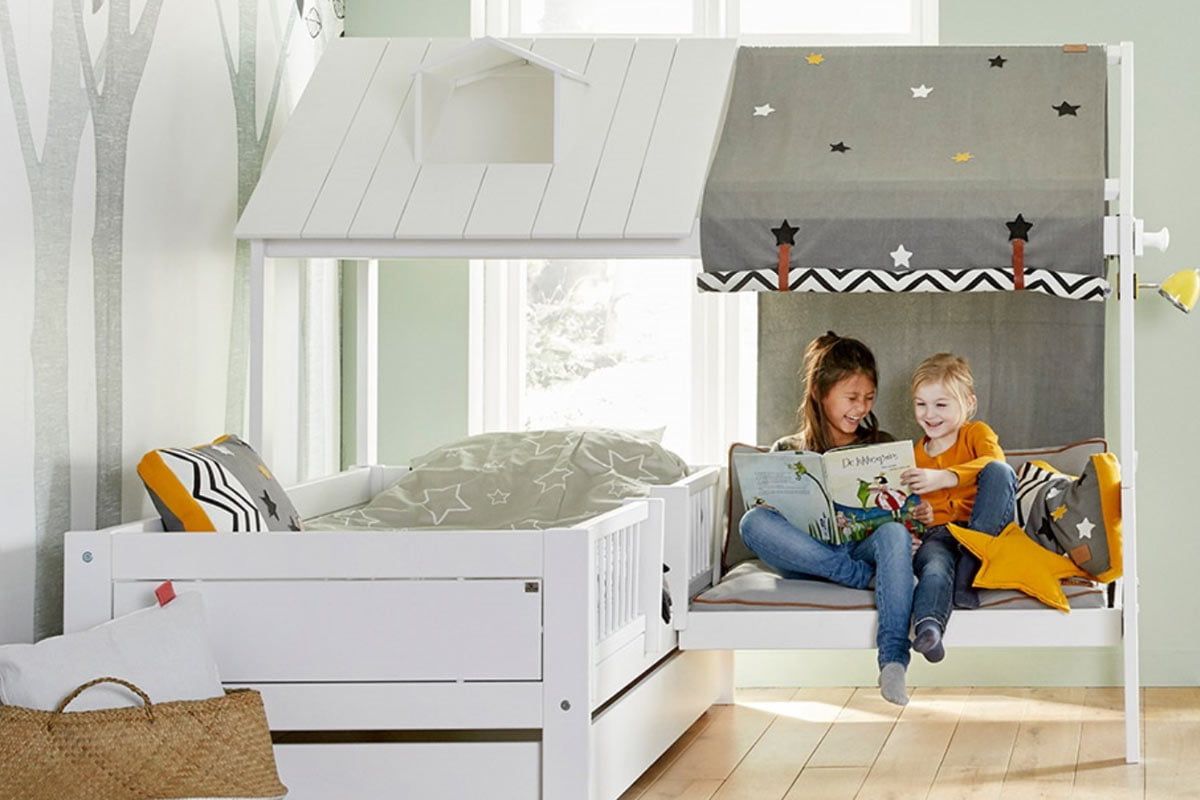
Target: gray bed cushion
[(755, 586)]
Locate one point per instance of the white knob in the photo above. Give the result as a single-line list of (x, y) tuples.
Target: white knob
[(1159, 240)]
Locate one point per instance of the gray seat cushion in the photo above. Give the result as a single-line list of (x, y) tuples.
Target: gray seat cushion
[(755, 586)]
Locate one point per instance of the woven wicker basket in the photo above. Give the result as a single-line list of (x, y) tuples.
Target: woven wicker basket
[(219, 747)]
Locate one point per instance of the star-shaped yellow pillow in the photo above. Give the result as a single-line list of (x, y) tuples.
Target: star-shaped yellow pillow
[(1014, 561)]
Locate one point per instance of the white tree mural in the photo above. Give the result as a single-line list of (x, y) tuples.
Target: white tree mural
[(111, 82)]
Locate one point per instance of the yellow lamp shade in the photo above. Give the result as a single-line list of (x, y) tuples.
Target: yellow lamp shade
[(1182, 289)]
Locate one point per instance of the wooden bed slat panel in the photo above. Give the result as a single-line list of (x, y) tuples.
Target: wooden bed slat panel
[(388, 191), (293, 177), (508, 201), (441, 201), (369, 132), (667, 202), (624, 154), (570, 182)]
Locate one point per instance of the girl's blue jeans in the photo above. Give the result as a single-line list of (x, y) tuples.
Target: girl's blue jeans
[(885, 555), (934, 563)]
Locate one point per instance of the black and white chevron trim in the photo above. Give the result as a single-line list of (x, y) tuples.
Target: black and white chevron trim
[(1069, 285), (223, 496)]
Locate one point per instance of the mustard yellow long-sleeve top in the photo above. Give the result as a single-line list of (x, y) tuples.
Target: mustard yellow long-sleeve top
[(976, 446)]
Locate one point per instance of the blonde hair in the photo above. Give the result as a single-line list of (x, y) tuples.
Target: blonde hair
[(827, 360), (954, 373)]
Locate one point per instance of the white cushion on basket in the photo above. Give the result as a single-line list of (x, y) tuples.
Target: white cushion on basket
[(164, 650)]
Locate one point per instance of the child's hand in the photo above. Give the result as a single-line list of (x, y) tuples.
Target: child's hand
[(923, 513), (916, 542), (920, 481)]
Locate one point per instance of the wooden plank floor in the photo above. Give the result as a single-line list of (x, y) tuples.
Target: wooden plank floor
[(999, 744)]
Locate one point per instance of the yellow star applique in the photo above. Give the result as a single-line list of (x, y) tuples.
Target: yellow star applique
[(1058, 512), (962, 157), (815, 58), (1014, 561)]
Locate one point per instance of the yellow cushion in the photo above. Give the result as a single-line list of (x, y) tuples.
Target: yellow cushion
[(1014, 561)]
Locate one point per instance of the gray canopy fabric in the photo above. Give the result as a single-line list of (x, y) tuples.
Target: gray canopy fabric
[(910, 169)]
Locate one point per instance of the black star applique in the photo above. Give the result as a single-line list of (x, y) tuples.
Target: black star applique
[(266, 498), (1019, 229), (785, 234), (1065, 109), (998, 61), (840, 147), (294, 524)]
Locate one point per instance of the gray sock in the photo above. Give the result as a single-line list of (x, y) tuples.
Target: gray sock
[(891, 683), (928, 641)]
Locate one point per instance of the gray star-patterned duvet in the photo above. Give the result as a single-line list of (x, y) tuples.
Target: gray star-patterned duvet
[(910, 169), (522, 481)]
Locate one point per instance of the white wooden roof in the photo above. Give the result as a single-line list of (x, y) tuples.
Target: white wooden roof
[(343, 181)]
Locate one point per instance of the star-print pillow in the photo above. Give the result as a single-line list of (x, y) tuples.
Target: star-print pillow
[(221, 486)]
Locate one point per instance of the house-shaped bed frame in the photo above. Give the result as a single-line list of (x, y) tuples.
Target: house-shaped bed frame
[(646, 168), (344, 183)]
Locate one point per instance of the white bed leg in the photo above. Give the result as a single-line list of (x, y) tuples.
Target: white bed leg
[(567, 669)]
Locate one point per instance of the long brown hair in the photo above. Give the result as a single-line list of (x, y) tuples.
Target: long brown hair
[(827, 360)]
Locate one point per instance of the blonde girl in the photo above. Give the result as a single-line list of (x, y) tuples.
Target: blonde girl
[(961, 477)]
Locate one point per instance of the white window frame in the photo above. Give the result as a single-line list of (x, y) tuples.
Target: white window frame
[(724, 326)]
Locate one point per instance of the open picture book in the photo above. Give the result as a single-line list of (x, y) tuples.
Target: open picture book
[(838, 496)]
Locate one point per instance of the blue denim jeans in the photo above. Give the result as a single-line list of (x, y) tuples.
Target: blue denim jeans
[(934, 563), (885, 555)]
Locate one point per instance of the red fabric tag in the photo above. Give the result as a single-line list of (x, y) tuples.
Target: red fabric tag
[(165, 593)]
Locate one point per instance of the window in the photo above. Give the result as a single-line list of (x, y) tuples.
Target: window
[(631, 343)]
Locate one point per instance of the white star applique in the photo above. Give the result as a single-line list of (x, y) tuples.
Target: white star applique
[(900, 257), (1053, 493), (639, 463), (441, 502), (1085, 529), (498, 497), (921, 91), (764, 110), (554, 479), (539, 448)]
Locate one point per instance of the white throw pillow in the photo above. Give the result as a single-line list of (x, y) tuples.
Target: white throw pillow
[(164, 650)]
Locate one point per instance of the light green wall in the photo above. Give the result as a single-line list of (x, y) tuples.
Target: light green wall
[(408, 17), (422, 304)]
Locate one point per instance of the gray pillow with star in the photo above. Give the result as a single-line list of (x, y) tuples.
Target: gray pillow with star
[(220, 486), (525, 480)]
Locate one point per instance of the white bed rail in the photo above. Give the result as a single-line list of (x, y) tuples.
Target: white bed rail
[(692, 536)]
